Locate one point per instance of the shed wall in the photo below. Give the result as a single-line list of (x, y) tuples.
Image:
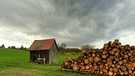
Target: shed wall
[(53, 54)]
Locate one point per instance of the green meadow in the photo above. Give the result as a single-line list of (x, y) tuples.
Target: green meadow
[(16, 63)]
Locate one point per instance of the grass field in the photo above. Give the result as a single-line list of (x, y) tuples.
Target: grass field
[(16, 63)]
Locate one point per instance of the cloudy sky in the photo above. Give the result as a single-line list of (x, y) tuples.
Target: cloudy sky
[(74, 22)]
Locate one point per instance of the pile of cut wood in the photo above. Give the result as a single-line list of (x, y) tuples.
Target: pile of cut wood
[(113, 59)]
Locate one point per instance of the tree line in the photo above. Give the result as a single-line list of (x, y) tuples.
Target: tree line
[(14, 47), (63, 47)]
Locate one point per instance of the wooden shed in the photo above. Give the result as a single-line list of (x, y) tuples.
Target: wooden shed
[(44, 51)]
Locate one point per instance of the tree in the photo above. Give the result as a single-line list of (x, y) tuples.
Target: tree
[(21, 47), (3, 46), (9, 47), (62, 47), (13, 47), (88, 47)]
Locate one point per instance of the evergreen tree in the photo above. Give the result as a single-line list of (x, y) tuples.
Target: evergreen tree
[(3, 46), (21, 47)]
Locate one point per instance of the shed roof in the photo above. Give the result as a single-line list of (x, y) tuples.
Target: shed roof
[(42, 44)]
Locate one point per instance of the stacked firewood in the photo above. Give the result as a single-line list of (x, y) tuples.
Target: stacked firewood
[(113, 59)]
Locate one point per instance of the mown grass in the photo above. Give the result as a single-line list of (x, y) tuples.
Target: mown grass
[(16, 63)]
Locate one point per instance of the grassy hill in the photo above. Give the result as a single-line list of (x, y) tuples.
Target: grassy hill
[(16, 63)]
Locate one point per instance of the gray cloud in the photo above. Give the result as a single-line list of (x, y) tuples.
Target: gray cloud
[(75, 22)]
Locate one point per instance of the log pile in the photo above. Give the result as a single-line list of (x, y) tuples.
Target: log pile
[(113, 59)]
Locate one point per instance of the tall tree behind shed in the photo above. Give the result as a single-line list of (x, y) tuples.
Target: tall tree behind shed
[(62, 47)]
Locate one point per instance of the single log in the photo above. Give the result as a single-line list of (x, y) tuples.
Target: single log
[(120, 62), (95, 67), (96, 59), (115, 70), (126, 56), (69, 66), (86, 61), (104, 56), (132, 47), (83, 51), (121, 47), (75, 67), (110, 73), (118, 66), (104, 52), (87, 67), (93, 55), (90, 65), (79, 60), (82, 68), (124, 61), (82, 63), (114, 45), (101, 72), (105, 46), (113, 65), (92, 69), (104, 61), (105, 70), (114, 49), (116, 41), (66, 64), (116, 59), (90, 59), (120, 72), (109, 63), (123, 68), (112, 52), (110, 69), (133, 64), (117, 54), (129, 71), (129, 54), (125, 72)]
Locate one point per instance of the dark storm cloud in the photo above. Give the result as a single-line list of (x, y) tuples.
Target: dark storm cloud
[(75, 22), (74, 8)]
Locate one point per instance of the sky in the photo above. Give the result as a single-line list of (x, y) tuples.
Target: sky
[(74, 22)]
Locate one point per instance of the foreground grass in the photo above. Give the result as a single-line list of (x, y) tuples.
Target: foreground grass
[(16, 63)]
